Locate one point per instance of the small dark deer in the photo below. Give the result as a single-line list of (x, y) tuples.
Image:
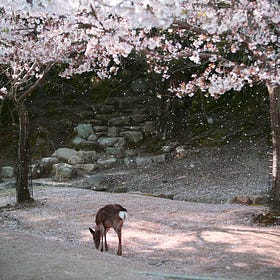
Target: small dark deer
[(111, 215)]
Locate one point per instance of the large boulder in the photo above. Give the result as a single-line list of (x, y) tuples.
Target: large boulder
[(119, 121), (111, 142), (64, 172), (64, 154), (75, 160), (44, 167), (107, 162), (7, 172), (92, 137), (113, 131), (159, 158), (132, 136), (115, 151), (84, 130), (100, 128), (78, 141), (96, 182), (88, 156), (143, 160), (86, 168), (130, 162)]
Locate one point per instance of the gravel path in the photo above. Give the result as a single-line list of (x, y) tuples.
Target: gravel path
[(165, 236)]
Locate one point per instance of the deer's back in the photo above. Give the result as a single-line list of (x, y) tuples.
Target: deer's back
[(109, 215)]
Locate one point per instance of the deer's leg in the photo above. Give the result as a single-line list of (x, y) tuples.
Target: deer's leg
[(119, 232), (101, 249), (102, 236), (106, 245)]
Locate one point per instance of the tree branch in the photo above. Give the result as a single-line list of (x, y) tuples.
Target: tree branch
[(31, 89)]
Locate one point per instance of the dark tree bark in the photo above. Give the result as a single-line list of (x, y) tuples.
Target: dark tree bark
[(24, 155), (274, 96), (22, 191)]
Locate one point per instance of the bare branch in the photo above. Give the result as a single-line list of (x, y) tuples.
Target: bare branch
[(38, 82)]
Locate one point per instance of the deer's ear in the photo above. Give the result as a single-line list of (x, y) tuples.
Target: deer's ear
[(91, 231)]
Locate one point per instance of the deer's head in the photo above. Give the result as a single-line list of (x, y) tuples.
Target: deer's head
[(95, 236)]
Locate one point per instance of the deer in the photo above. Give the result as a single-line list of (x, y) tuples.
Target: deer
[(109, 216)]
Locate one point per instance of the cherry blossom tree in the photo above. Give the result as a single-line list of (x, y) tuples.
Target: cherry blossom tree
[(24, 64), (234, 43), (39, 35)]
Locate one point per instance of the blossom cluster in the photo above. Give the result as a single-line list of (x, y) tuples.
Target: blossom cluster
[(234, 42)]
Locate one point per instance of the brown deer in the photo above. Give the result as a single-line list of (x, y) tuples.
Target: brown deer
[(111, 215)]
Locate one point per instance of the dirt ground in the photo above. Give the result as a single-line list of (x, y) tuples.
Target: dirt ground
[(162, 239), (194, 236)]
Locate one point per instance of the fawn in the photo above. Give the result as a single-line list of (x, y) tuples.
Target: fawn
[(111, 215)]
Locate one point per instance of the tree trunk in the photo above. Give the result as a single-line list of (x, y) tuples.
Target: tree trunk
[(22, 191), (274, 97)]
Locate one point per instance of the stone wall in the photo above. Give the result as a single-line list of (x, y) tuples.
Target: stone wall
[(120, 122), (114, 134), (117, 131)]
